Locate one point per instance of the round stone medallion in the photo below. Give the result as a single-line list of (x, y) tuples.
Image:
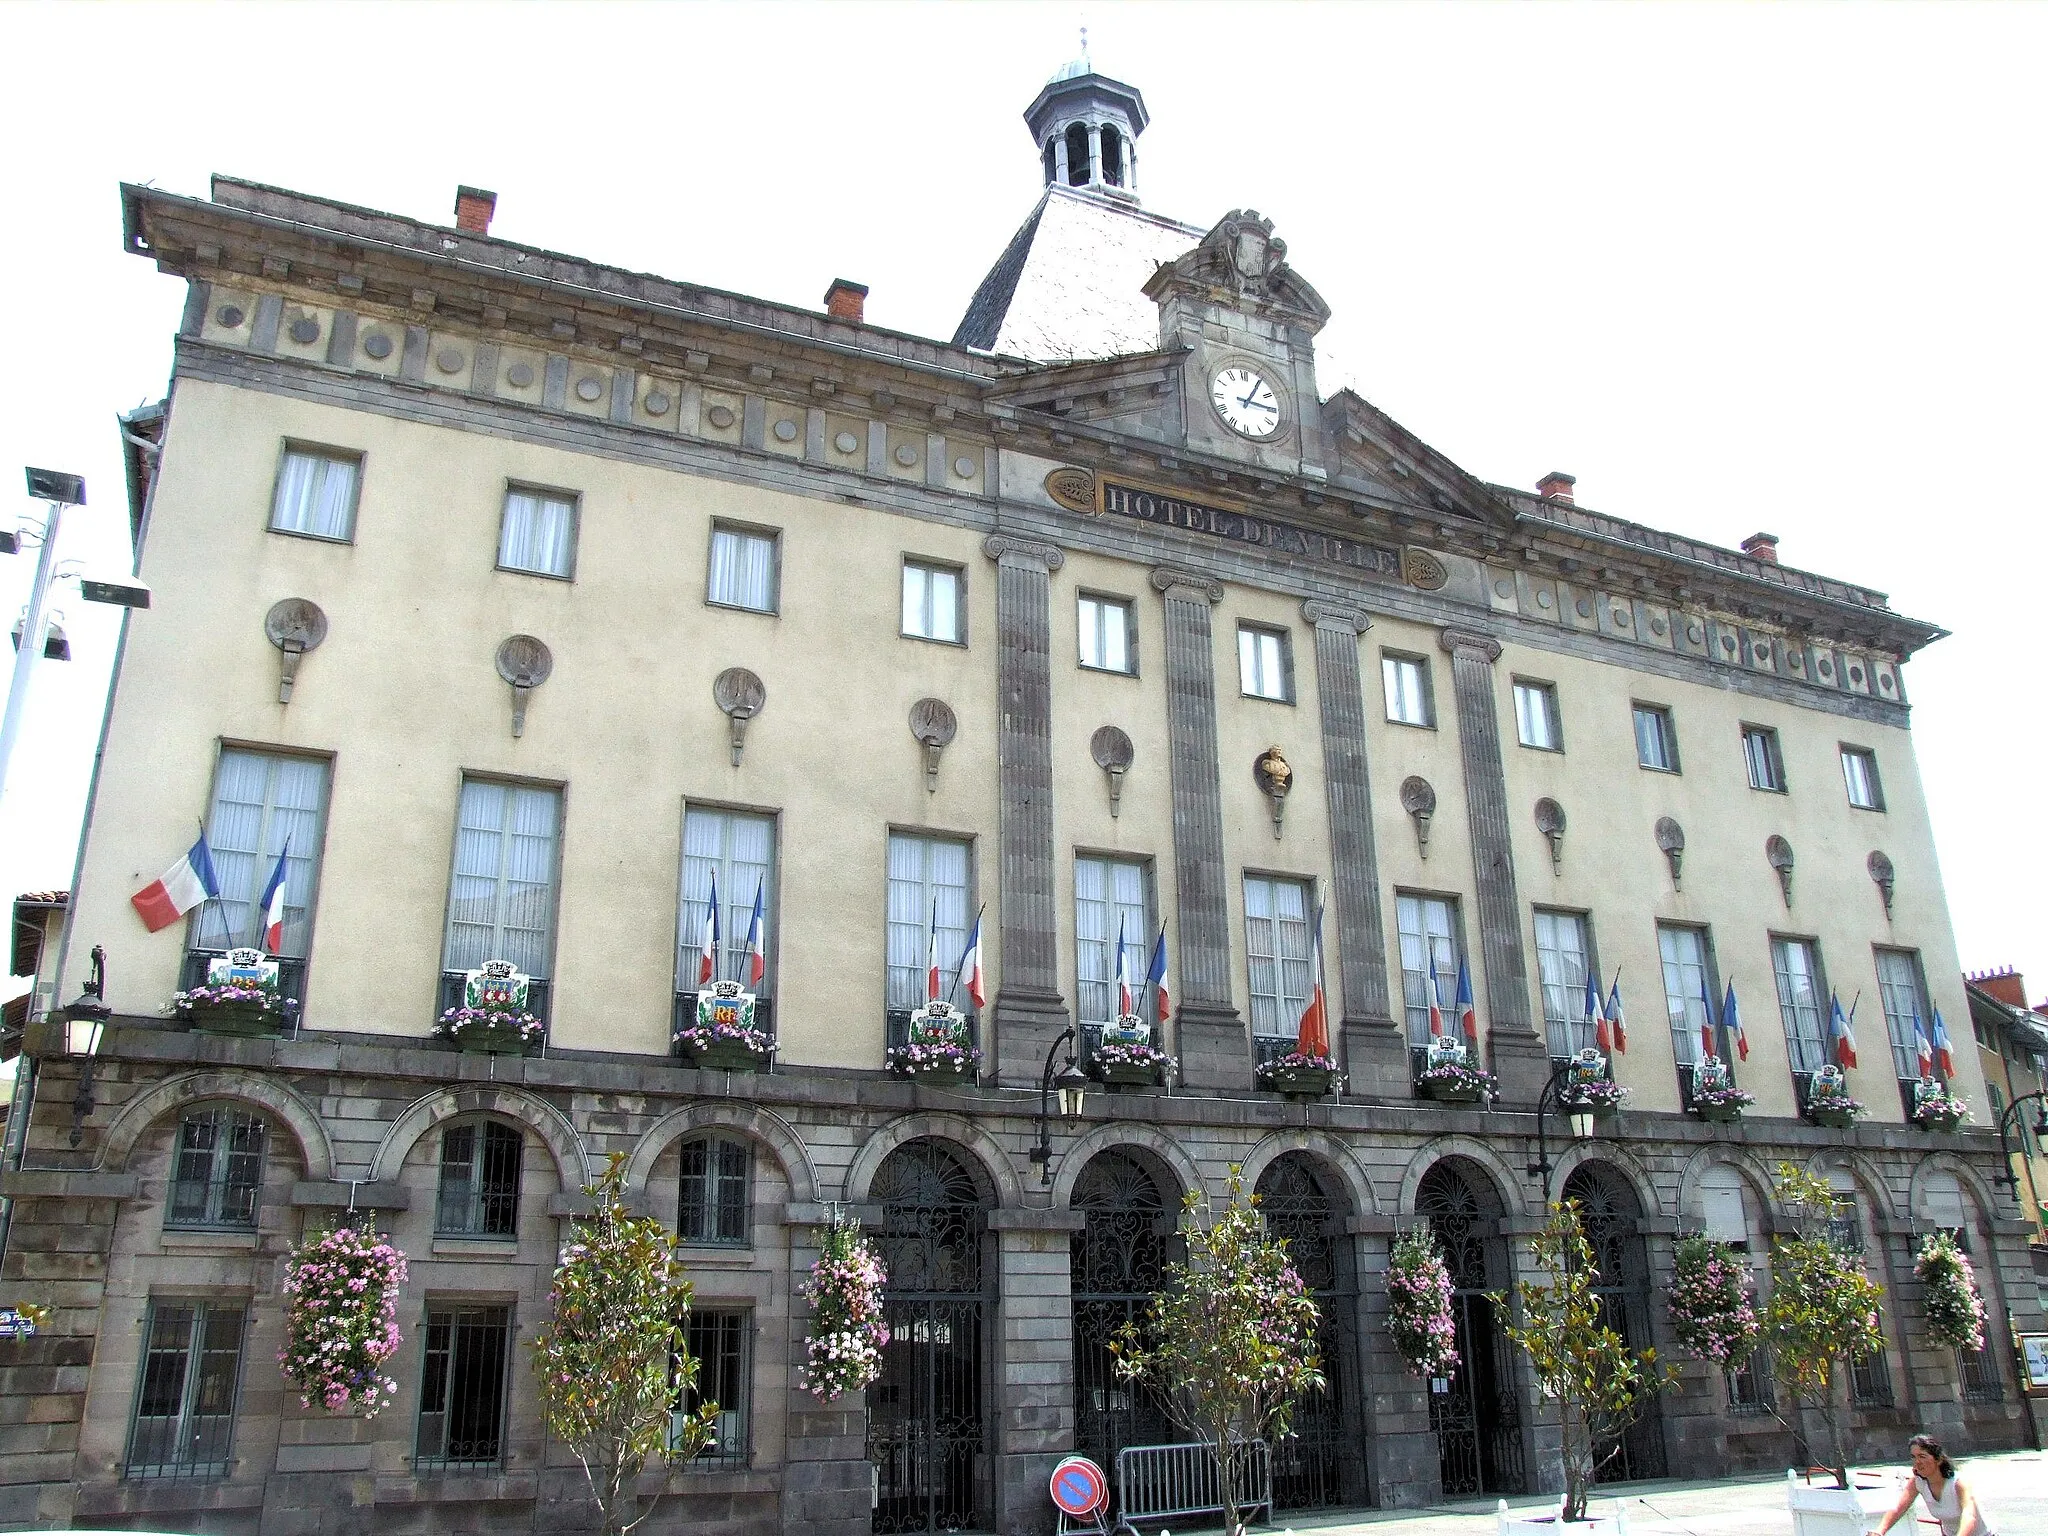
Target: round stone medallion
[(1658, 627), (964, 468), (1503, 589), (588, 388), (449, 360), (1623, 618), (785, 431), (305, 330), (1585, 608), (1827, 668), (906, 455), (229, 315), (720, 416), (377, 345), (1543, 600), (846, 442), (520, 375), (1695, 632), (1855, 674), (656, 403)]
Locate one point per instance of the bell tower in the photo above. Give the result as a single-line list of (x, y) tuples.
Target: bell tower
[(1086, 127)]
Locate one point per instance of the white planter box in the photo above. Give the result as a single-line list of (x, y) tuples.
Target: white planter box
[(1508, 1524), (1827, 1511)]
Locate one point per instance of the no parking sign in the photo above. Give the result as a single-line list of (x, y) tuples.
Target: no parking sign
[(1079, 1488)]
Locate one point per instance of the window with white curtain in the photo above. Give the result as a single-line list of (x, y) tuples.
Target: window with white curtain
[(1688, 979), (931, 601), (1264, 668), (1109, 896), (739, 849), (1277, 952), (743, 573), (539, 532), (1406, 682), (927, 875), (1563, 954), (264, 803), (501, 905), (1108, 635), (1796, 964), (316, 493), (1905, 1004), (1536, 718), (1429, 931)]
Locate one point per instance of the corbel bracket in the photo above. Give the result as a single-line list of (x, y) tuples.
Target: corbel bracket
[(525, 663), (740, 696), (933, 723), (295, 625)]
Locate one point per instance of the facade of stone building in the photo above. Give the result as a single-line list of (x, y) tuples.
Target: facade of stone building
[(512, 599)]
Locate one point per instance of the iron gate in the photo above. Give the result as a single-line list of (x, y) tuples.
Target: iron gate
[(1119, 1263), (1478, 1421), (1321, 1464), (1608, 1209), (927, 1433)]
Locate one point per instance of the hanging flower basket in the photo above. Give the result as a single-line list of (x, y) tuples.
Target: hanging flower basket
[(341, 1320), (1722, 1106), (1419, 1307), (1836, 1110), (848, 1334), (1955, 1309), (1712, 1302), (1129, 1066), (490, 1031), (1457, 1082), (1300, 1077)]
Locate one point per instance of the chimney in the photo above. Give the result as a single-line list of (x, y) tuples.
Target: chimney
[(2005, 984), (473, 210), (846, 300), (1762, 546), (1556, 486)]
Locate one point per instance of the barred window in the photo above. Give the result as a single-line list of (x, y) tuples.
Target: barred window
[(716, 1199), (185, 1402), (219, 1169), (480, 1169), (720, 1341), (462, 1389)]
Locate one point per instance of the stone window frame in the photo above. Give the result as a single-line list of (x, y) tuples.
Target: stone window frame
[(1287, 1006), (192, 1386), (1105, 600), (1415, 1034), (1873, 783), (1580, 1032), (439, 1309), (357, 458), (737, 1317), (736, 528), (929, 566), (1545, 693), (1667, 726), (542, 493), (1141, 943), (476, 1217), (708, 1232)]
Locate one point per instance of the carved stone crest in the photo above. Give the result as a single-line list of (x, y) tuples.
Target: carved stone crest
[(1112, 751), (1255, 256), (1671, 843), (525, 663), (934, 724), (1072, 488), (1418, 799), (739, 695), (295, 625), (1420, 568)]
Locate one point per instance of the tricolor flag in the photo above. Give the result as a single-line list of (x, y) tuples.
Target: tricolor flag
[(757, 949), (1126, 984), (1313, 1037), (1732, 1017), (1707, 1021), (1468, 1015), (183, 886), (931, 958), (273, 903), (970, 966), (1942, 1053), (707, 949), (1614, 1019), (1595, 1017), (1921, 1048), (1156, 974), (1436, 1000), (1838, 1026)]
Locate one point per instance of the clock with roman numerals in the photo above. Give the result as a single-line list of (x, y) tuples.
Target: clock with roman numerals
[(1246, 400)]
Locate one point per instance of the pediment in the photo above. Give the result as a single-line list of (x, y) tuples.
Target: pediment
[(1377, 454), (1241, 265)]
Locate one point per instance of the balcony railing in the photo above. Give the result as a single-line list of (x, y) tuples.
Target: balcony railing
[(1269, 1048), (898, 1028), (684, 1013), (1908, 1088), (452, 993), (291, 978)]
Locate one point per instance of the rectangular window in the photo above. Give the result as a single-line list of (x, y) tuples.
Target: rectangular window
[(1536, 719), (931, 602), (1905, 1006), (501, 902), (264, 803), (1750, 1388), (927, 876), (538, 533), (1656, 738), (462, 1389), (738, 850), (1859, 773), (1407, 685), (1760, 752), (718, 1341), (1277, 952), (316, 493), (1109, 638), (1563, 955), (1109, 897), (1797, 965), (478, 1196), (743, 573), (1429, 932), (1688, 979), (219, 1170), (716, 1204), (1264, 666), (185, 1402)]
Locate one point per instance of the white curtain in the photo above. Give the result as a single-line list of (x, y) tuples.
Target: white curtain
[(740, 850), (539, 533), (1107, 892), (1561, 970), (501, 906), (1799, 1002), (261, 803), (1276, 925), (925, 873), (316, 494), (1425, 924), (742, 569), (1685, 990)]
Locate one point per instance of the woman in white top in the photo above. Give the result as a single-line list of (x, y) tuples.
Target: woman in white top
[(1935, 1483)]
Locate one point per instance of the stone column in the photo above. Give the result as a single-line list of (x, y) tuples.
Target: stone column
[(1029, 1011), (1034, 1407), (1393, 1419), (1375, 1054), (1059, 158), (1519, 1055), (1214, 1051), (1094, 154)]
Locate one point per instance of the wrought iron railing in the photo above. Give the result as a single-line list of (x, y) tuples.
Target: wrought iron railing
[(898, 1028), (1980, 1374), (1909, 1095), (1269, 1048), (451, 995), (291, 977), (684, 1014)]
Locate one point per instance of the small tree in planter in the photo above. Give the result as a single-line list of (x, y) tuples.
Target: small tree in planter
[(1955, 1310), (610, 1360), (1231, 1341), (1601, 1383), (1822, 1310), (341, 1320)]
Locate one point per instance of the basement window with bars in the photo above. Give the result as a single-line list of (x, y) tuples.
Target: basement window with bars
[(716, 1199), (185, 1402), (219, 1170), (720, 1341), (479, 1190), (462, 1389)]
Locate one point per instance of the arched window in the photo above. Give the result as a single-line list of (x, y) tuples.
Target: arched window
[(1077, 155), (218, 1169), (1112, 156), (1478, 1418), (715, 1184), (1051, 163), (479, 1192)]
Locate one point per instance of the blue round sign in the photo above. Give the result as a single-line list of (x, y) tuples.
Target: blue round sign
[(1078, 1487)]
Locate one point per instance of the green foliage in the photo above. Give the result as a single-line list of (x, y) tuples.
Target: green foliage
[(1231, 1341), (1955, 1310), (1600, 1383), (610, 1360), (1822, 1309)]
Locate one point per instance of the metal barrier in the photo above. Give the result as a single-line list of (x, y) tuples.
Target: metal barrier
[(1164, 1482)]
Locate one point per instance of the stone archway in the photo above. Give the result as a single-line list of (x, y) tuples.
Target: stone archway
[(1129, 1210), (1477, 1417), (1612, 1217)]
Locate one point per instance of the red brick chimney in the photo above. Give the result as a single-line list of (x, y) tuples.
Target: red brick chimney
[(1761, 546), (2005, 984), (1556, 486), (473, 210), (846, 300)]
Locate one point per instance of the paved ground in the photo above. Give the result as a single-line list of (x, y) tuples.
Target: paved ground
[(2012, 1488)]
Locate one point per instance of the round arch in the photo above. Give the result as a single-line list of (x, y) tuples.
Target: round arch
[(1745, 1163), (1123, 1134), (516, 1104), (750, 1120), (1973, 1185), (964, 1133), (1506, 1188), (316, 1152), (1870, 1184), (1619, 1159), (1326, 1149)]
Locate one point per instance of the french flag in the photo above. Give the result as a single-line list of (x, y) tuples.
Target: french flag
[(1156, 975), (757, 952), (1126, 991), (1922, 1049), (1942, 1053), (1313, 1037), (1732, 1017), (1614, 1019), (931, 958), (1838, 1025), (273, 904), (1436, 999), (1601, 1037), (1468, 1014), (707, 950), (183, 886), (1707, 1020), (970, 966)]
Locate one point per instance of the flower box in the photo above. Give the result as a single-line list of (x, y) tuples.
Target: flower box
[(1453, 1093), (938, 1072), (1940, 1120), (723, 1056), (254, 1019), (1718, 1114), (1452, 1079), (1833, 1116), (1118, 1074), (1299, 1082), (1126, 1064), (506, 1039)]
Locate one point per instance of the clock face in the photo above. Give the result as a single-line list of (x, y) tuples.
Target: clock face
[(1246, 401)]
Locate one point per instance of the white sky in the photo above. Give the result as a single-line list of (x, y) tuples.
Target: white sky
[(1735, 267)]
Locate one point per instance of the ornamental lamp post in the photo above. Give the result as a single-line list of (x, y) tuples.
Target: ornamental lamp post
[(1578, 1115), (1072, 1087), (85, 1022)]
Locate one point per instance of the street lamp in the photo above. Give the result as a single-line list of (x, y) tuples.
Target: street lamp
[(85, 1021), (2005, 1175), (1072, 1087), (1579, 1115)]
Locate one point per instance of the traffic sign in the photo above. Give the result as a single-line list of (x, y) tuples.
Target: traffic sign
[(1078, 1487)]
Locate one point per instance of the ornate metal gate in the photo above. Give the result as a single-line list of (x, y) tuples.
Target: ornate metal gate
[(1609, 1210), (1322, 1463), (1478, 1421), (927, 1433), (1119, 1262)]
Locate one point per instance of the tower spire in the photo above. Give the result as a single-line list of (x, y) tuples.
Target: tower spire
[(1086, 126)]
